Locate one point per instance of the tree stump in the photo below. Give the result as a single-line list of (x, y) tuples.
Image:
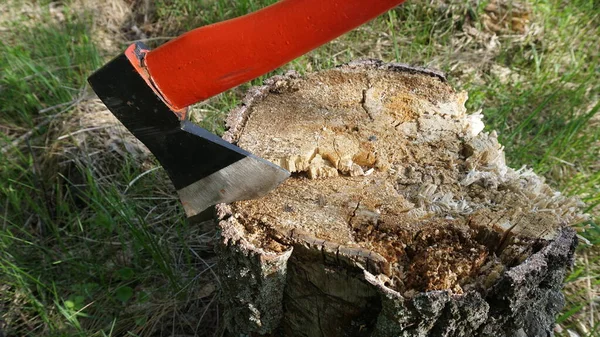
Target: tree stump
[(401, 217)]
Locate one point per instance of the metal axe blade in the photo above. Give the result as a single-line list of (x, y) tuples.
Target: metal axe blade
[(204, 168)]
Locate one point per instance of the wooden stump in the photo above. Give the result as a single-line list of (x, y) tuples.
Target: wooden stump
[(401, 217)]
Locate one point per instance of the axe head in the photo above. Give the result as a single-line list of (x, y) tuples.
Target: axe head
[(205, 169)]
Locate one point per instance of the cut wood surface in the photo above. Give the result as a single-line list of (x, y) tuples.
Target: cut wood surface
[(401, 217)]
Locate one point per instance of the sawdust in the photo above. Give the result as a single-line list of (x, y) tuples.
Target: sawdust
[(390, 162)]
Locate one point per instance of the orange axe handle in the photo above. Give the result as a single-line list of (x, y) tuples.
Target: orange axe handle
[(214, 58)]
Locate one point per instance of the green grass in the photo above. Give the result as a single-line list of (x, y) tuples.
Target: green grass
[(75, 258), (96, 244), (179, 16), (48, 74)]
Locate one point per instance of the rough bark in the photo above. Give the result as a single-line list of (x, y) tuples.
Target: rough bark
[(401, 217)]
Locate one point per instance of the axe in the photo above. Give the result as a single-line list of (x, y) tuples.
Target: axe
[(149, 91)]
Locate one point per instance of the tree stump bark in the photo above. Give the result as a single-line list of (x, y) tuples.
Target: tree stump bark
[(401, 217)]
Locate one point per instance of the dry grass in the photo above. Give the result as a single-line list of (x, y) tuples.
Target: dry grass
[(110, 19)]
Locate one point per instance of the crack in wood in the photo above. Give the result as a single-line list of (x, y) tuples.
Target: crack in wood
[(363, 104)]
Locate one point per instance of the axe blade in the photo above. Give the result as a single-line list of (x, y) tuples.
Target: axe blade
[(204, 168)]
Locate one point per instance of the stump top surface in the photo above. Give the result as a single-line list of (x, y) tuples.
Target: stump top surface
[(388, 160)]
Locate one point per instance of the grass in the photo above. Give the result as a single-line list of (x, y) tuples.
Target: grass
[(35, 79), (92, 237)]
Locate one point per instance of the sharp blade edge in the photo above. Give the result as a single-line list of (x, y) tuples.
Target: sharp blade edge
[(248, 178)]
